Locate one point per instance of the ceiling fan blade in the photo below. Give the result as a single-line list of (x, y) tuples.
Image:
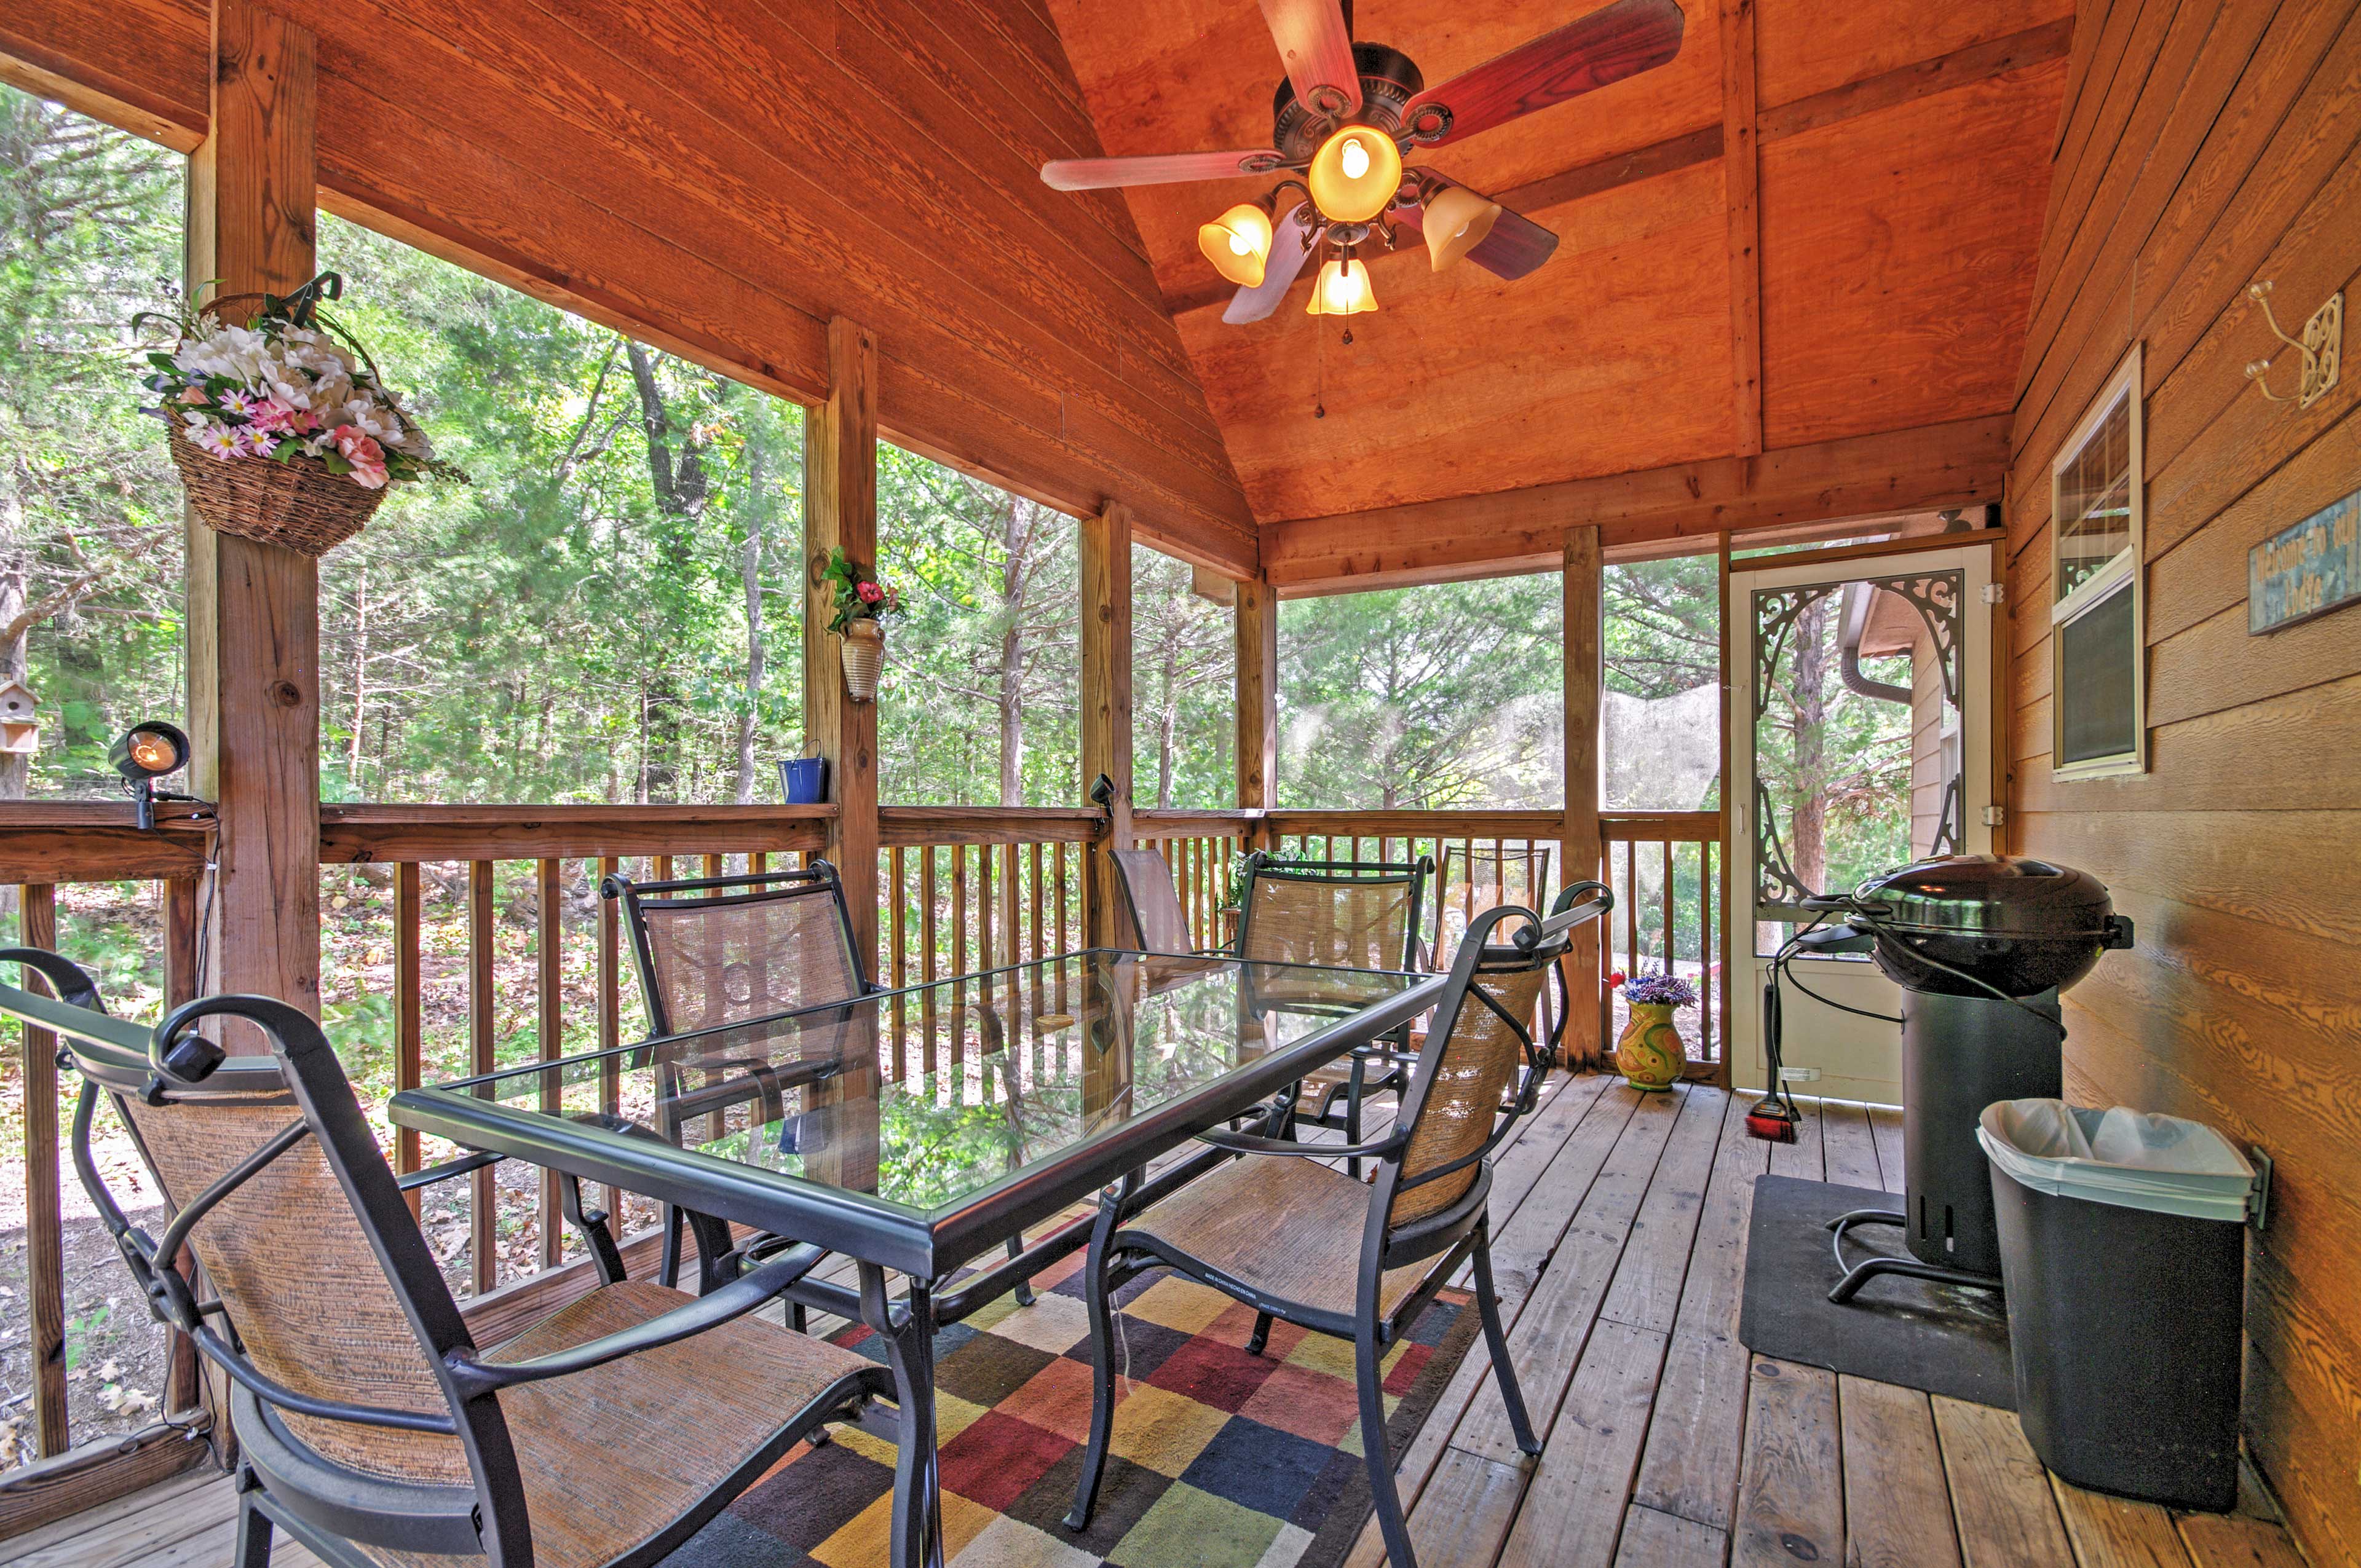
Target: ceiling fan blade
[(1286, 258), (1515, 246), (1164, 169), (1318, 48), (1623, 39)]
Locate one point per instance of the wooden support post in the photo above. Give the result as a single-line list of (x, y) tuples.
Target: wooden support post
[(1585, 691), (254, 613), (483, 1202), (1740, 179), (1258, 691), (1106, 704), (409, 1010), (840, 513)]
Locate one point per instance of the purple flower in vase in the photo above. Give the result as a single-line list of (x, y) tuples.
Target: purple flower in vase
[(1663, 988)]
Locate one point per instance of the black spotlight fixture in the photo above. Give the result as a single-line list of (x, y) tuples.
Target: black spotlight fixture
[(148, 752)]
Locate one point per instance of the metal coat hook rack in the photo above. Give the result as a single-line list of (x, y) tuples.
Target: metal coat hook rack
[(2321, 346)]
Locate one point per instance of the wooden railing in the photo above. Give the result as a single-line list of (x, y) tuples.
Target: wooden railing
[(476, 933)]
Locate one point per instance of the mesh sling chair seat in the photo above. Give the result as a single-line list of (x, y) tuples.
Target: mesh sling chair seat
[(711, 951), (371, 1427), (1337, 914), (1302, 1241)]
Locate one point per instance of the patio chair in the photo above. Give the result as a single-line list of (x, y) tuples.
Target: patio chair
[(1472, 878), (370, 1426), (1338, 913), (1301, 1242), (711, 951), (1151, 904)]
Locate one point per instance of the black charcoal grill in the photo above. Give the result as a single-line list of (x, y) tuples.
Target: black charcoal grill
[(1981, 946)]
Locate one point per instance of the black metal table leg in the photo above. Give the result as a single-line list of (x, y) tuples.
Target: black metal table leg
[(918, 1481)]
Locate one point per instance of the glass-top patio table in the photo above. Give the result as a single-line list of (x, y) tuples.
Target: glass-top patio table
[(919, 1131)]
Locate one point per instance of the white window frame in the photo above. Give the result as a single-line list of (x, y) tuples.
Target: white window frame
[(2121, 574)]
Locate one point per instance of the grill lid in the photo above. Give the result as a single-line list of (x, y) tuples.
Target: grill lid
[(1987, 896)]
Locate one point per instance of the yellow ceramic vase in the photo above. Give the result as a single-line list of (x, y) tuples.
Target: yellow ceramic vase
[(1650, 1055)]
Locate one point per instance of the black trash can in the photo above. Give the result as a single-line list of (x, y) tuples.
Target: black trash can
[(2123, 1250)]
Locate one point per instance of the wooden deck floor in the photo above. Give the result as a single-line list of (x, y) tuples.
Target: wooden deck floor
[(1621, 1232)]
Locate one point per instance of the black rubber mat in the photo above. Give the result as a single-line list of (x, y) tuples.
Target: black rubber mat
[(1944, 1339)]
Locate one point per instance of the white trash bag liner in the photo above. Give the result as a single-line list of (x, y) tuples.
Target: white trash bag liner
[(2134, 1159)]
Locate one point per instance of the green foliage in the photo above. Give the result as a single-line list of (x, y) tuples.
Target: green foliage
[(1450, 694)]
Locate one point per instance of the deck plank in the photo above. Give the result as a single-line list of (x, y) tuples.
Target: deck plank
[(2114, 1533), (2237, 1541), (1646, 1290), (1897, 1501), (1652, 1540), (2006, 1514), (1791, 1487), (1802, 1159), (1546, 1343), (1850, 1145), (1690, 1466), (1573, 1509)]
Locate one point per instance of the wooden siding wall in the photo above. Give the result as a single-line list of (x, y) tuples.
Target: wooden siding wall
[(2206, 144), (722, 178)]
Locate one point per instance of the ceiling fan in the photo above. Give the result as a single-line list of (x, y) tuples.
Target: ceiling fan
[(1343, 119)]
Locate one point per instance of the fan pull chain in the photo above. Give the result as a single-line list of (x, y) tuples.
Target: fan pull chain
[(1319, 368)]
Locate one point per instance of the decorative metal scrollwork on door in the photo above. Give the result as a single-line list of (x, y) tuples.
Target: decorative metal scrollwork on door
[(1794, 656)]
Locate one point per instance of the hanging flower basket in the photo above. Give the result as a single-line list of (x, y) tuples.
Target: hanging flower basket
[(283, 431), (863, 605)]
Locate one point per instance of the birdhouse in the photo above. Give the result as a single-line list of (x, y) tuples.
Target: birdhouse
[(20, 731)]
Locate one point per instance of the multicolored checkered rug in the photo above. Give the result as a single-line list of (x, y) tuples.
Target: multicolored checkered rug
[(1218, 1457)]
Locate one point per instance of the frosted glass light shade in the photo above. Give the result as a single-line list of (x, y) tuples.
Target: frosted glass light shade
[(1238, 244), (1456, 223), (1355, 174), (1342, 289)]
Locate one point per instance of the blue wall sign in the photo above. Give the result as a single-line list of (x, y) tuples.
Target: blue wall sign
[(2306, 570)]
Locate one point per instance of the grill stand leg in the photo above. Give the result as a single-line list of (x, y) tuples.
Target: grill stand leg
[(1861, 1273)]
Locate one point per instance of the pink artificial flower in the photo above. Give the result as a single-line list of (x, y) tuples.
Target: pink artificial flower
[(192, 394), (253, 441), (870, 593), (269, 413), (361, 450), (214, 439), (237, 401)]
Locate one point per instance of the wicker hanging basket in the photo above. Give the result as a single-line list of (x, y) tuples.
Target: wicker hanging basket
[(298, 505)]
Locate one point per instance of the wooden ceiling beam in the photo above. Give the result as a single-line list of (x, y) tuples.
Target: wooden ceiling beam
[(1963, 463), (1741, 185)]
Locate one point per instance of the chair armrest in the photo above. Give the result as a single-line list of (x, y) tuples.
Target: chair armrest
[(430, 1175), (475, 1375), (1249, 1143)]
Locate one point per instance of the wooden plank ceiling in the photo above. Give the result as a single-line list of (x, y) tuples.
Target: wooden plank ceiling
[(1896, 155)]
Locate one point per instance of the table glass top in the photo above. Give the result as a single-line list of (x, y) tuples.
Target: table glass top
[(925, 1096)]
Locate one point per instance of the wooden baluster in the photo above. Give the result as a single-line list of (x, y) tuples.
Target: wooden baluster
[(611, 1019), (758, 862), (717, 865), (660, 867), (985, 913), (927, 963), (959, 964), (549, 995), (898, 956), (409, 1020), (1667, 901), (1066, 944), (483, 1218), (44, 1219), (1012, 946), (1034, 854), (183, 1382), (1631, 905)]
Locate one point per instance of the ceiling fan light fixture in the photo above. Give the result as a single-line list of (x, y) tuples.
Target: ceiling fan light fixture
[(1342, 289), (1238, 244), (1456, 223), (1355, 174)]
